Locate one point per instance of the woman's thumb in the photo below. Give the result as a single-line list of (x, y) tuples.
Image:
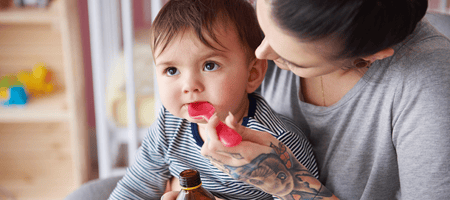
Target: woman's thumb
[(172, 195)]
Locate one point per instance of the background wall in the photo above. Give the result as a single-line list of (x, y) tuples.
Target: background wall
[(436, 6)]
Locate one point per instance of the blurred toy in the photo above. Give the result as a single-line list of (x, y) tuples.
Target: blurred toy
[(7, 82), (17, 96), (37, 82)]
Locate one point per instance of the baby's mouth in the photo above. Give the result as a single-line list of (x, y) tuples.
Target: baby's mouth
[(201, 109)]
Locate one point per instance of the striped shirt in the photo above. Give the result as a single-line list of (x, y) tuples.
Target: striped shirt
[(173, 144)]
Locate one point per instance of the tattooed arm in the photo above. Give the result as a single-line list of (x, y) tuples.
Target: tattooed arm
[(263, 161)]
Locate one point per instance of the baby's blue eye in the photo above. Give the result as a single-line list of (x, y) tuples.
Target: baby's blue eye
[(172, 71), (211, 66)]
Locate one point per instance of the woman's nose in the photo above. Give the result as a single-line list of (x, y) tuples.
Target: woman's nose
[(265, 51), (192, 85)]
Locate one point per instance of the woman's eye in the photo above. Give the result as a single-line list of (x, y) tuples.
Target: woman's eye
[(211, 66), (172, 71)]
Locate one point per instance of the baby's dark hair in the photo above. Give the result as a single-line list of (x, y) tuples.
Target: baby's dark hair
[(202, 16), (362, 27)]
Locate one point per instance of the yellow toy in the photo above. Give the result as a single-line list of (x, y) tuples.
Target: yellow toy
[(38, 81), (4, 93)]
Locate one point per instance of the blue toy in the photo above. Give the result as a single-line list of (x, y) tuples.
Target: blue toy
[(17, 96)]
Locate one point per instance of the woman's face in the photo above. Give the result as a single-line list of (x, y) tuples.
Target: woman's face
[(305, 59)]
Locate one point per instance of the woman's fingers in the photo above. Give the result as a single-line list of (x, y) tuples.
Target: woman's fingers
[(254, 143), (212, 140), (231, 122), (172, 195), (247, 134)]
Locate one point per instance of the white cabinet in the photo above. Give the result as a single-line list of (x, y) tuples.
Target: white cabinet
[(123, 78)]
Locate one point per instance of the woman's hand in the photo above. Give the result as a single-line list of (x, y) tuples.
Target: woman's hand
[(172, 195), (263, 161)]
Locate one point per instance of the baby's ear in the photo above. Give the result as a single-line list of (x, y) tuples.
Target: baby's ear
[(257, 71)]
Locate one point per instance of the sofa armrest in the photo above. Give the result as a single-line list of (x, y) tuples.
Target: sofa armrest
[(440, 21), (98, 189)]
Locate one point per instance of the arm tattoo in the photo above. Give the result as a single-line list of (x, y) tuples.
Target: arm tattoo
[(236, 156), (278, 173)]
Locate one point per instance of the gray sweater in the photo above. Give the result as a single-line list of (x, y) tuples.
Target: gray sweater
[(389, 136)]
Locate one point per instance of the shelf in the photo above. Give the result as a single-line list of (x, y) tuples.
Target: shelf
[(44, 152), (36, 160), (51, 108), (29, 15)]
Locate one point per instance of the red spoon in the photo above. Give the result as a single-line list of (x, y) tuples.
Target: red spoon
[(227, 136)]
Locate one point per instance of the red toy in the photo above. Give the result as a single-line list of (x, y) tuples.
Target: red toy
[(227, 136)]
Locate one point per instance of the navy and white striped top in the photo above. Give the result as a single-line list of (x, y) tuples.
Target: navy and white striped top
[(173, 144)]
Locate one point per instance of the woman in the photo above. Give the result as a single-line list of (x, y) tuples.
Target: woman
[(370, 81)]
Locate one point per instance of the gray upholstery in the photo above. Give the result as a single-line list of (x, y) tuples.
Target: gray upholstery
[(440, 21), (100, 189)]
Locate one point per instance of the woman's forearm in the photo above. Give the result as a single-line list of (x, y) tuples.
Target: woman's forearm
[(278, 173)]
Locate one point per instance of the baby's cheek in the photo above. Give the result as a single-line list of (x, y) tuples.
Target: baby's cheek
[(171, 103)]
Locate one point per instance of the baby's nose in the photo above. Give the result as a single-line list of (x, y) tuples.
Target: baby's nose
[(193, 85)]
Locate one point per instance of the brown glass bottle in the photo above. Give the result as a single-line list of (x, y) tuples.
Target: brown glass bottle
[(191, 187)]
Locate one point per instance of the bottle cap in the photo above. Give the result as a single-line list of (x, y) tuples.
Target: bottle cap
[(190, 178)]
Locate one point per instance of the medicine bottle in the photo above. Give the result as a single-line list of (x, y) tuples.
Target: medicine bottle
[(191, 187)]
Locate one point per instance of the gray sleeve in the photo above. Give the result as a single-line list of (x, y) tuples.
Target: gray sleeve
[(421, 129)]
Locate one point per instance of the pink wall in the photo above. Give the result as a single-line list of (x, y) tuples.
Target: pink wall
[(433, 5), (84, 25)]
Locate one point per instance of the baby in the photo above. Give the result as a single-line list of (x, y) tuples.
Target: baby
[(204, 52)]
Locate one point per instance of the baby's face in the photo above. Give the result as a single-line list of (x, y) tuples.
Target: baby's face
[(189, 71)]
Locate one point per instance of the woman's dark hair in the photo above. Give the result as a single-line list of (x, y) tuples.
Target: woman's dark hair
[(364, 27), (203, 16)]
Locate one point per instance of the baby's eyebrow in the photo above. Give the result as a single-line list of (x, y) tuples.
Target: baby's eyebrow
[(204, 56), (166, 63), (213, 53)]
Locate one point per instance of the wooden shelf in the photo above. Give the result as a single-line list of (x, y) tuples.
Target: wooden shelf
[(28, 151), (44, 150), (30, 15), (41, 109)]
